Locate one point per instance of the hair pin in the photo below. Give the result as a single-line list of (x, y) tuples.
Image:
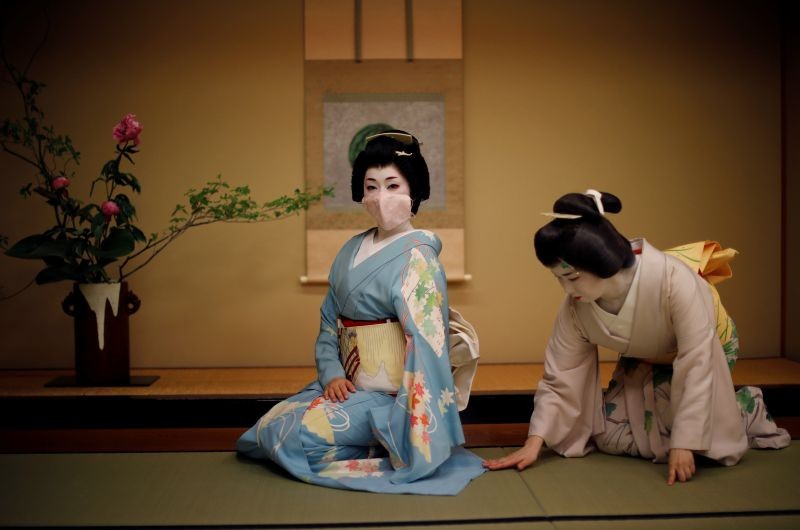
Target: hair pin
[(561, 215), (598, 200), (402, 153)]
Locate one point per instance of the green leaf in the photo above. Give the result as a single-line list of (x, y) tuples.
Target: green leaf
[(119, 243), (38, 246), (98, 225), (52, 275), (138, 235), (110, 168)]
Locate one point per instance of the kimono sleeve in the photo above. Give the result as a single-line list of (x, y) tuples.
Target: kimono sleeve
[(693, 380), (423, 424), (568, 405), (326, 350)]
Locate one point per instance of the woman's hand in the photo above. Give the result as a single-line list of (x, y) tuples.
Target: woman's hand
[(681, 465), (338, 389), (521, 458)]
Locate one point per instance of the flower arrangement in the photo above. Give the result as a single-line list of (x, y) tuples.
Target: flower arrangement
[(88, 238)]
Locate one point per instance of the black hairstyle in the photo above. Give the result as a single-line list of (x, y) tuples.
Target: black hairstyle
[(384, 149), (590, 242)]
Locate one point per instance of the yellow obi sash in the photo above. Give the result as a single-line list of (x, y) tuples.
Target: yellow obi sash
[(373, 353), (711, 261)]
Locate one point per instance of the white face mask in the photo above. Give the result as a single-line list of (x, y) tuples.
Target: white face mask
[(389, 210)]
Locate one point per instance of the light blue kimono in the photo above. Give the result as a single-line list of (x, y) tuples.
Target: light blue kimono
[(408, 443)]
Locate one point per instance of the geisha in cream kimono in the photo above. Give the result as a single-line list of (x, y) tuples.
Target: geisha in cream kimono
[(672, 387), (400, 432)]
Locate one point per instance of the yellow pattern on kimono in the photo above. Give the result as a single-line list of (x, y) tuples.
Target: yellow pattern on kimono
[(316, 420)]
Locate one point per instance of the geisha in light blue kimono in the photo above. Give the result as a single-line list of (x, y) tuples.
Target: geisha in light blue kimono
[(383, 414)]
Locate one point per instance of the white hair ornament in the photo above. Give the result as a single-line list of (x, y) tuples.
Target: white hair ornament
[(561, 215), (598, 200)]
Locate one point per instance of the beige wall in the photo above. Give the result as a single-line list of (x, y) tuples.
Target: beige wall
[(673, 106)]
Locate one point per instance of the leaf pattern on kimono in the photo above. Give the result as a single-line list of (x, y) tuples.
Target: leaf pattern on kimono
[(731, 346), (648, 420), (365, 467), (420, 291), (610, 407), (420, 415), (746, 400), (424, 300), (446, 399)]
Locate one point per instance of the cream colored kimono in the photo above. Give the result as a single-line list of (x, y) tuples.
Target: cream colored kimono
[(674, 324)]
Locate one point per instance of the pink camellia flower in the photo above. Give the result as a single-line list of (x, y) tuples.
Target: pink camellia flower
[(60, 182), (128, 130), (109, 208)]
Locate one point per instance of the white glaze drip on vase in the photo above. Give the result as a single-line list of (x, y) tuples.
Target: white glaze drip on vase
[(96, 295)]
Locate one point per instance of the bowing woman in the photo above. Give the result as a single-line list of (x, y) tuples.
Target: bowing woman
[(671, 396), (382, 414)]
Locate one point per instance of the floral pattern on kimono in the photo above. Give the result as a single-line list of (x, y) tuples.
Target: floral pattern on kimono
[(375, 441)]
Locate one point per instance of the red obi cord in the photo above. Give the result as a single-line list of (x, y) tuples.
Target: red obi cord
[(346, 322)]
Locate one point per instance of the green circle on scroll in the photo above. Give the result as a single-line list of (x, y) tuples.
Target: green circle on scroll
[(360, 139)]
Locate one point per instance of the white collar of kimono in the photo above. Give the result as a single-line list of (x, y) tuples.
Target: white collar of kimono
[(369, 247), (621, 324)]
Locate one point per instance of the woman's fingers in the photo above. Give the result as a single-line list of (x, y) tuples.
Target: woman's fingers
[(519, 459), (337, 390), (680, 473), (500, 463), (681, 466), (341, 391)]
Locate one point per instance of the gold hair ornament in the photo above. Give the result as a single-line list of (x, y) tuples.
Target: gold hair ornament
[(405, 138)]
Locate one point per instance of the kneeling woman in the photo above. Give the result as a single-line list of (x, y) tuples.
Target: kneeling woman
[(671, 395), (383, 414)]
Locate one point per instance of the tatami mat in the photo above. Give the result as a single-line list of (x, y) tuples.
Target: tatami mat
[(763, 522), (146, 489), (221, 489), (601, 484)]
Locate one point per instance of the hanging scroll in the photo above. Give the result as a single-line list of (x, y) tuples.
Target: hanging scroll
[(364, 74)]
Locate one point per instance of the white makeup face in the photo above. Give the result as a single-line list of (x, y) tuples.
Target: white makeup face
[(385, 179), (582, 286)]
